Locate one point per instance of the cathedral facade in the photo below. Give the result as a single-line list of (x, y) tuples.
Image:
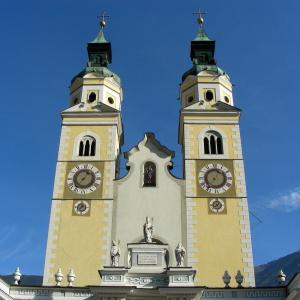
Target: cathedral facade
[(206, 211), (149, 233)]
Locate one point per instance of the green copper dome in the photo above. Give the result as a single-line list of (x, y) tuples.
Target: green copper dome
[(203, 55), (201, 36), (99, 71), (100, 38), (100, 56)]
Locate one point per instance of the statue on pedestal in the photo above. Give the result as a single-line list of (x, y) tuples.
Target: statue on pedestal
[(115, 253), (180, 254), (148, 230)]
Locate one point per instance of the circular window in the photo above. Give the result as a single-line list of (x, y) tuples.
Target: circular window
[(111, 100), (190, 99), (92, 97), (226, 99), (209, 95)]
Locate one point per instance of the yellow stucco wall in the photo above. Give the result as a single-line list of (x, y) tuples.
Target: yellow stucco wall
[(68, 141), (79, 242), (218, 242), (82, 242), (226, 131)]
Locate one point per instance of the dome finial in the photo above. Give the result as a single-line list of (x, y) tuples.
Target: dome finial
[(102, 22), (200, 18)]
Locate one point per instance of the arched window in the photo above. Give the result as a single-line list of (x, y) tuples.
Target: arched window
[(87, 146), (93, 148), (206, 145), (213, 143), (149, 174), (220, 145), (81, 147)]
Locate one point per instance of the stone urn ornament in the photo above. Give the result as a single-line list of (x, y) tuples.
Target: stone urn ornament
[(71, 277), (58, 277), (239, 278), (226, 279), (281, 278), (17, 276)]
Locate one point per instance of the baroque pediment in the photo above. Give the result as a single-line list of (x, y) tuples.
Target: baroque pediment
[(150, 143)]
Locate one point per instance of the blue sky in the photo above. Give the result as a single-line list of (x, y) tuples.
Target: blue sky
[(43, 45)]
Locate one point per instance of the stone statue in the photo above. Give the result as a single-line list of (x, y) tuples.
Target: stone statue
[(180, 254), (148, 230), (149, 174), (115, 253)]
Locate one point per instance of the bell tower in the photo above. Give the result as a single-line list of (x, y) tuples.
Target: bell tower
[(91, 136), (218, 229)]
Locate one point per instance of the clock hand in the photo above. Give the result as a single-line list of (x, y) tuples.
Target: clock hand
[(82, 179), (86, 174)]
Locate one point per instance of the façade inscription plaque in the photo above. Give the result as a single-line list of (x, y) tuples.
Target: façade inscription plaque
[(147, 259)]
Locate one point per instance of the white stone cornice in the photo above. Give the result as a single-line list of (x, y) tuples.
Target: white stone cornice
[(209, 113), (225, 122), (83, 122)]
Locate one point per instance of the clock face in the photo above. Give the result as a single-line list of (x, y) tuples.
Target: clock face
[(81, 207), (216, 205), (84, 179), (215, 178)]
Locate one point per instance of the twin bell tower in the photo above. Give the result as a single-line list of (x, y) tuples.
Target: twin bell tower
[(149, 228)]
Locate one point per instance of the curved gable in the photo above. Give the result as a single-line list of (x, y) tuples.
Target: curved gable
[(135, 201)]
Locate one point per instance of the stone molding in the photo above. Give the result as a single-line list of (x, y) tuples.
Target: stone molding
[(166, 293), (171, 277)]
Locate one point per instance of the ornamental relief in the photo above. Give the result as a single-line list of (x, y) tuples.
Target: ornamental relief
[(148, 281)]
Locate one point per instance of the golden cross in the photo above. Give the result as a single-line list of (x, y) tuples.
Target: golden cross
[(102, 19), (200, 15)]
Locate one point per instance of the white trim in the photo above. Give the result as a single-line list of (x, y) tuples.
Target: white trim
[(210, 113), (106, 238), (237, 145), (48, 277), (246, 242), (59, 181), (64, 143), (108, 180), (191, 232), (211, 122), (240, 182), (188, 141), (190, 183), (89, 123), (111, 143)]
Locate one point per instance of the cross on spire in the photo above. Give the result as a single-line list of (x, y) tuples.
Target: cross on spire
[(200, 15), (102, 19)]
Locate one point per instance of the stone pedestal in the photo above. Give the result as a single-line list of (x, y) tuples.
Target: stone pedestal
[(113, 276), (181, 276), (148, 257), (148, 268)]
